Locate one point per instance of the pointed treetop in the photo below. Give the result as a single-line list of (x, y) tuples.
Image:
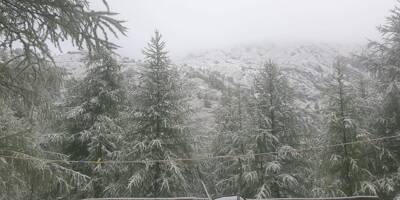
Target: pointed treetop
[(155, 49)]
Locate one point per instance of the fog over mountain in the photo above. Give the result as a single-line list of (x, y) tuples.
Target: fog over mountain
[(190, 26)]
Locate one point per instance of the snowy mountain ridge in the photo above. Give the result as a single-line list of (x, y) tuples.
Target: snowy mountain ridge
[(305, 64)]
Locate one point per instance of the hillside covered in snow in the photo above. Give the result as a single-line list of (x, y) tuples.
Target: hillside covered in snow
[(306, 66)]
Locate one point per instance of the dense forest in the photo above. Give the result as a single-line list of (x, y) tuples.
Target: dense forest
[(130, 133)]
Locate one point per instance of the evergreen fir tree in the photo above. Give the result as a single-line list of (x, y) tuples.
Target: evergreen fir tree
[(233, 176), (26, 118), (384, 62), (388, 125), (278, 174), (29, 86), (346, 169), (159, 131), (92, 122)]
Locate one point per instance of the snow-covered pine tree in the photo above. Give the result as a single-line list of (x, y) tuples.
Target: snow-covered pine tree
[(26, 115), (158, 131), (388, 125), (276, 132), (93, 131), (384, 62), (380, 157), (345, 168), (233, 175), (28, 81)]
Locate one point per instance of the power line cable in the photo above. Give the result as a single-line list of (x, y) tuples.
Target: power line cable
[(29, 157)]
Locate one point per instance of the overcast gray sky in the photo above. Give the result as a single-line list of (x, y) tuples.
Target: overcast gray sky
[(192, 25)]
